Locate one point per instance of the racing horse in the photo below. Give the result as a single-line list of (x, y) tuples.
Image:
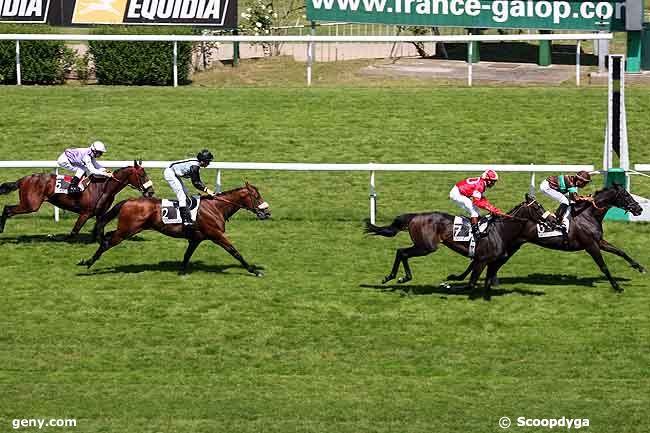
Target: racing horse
[(135, 215), (429, 230), (94, 201), (585, 233)]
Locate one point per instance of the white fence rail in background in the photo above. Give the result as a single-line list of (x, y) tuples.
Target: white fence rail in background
[(310, 40), (371, 168), (642, 167)]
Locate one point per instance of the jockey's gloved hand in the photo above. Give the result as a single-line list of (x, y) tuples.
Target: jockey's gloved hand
[(209, 191)]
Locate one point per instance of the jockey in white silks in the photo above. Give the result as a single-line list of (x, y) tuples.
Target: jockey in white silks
[(83, 161)]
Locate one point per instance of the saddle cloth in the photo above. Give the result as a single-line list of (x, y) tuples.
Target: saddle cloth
[(172, 215), (463, 231), (63, 183), (547, 232)]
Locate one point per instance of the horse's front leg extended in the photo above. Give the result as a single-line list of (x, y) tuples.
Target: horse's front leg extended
[(594, 252), (606, 246), (224, 242)]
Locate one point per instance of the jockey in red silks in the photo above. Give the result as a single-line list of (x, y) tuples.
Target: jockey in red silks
[(468, 194)]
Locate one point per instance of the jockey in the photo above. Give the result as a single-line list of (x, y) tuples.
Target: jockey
[(187, 168), (468, 194), (558, 187), (82, 161)]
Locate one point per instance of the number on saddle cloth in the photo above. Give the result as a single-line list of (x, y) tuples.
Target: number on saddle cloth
[(171, 214), (463, 228), (546, 231), (62, 183)]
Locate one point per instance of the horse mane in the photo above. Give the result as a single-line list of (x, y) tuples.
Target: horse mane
[(224, 193)]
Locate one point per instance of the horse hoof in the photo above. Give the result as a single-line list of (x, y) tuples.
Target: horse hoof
[(83, 263), (641, 270), (259, 274), (453, 277), (619, 289), (387, 279)]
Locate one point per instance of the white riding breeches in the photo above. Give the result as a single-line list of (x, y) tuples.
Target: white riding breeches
[(555, 195), (177, 186), (78, 169), (463, 202)]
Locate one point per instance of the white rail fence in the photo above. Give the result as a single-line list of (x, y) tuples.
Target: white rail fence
[(370, 168), (310, 41)]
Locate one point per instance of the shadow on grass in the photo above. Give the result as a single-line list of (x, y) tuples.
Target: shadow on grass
[(82, 238), (166, 266), (445, 289), (557, 280)]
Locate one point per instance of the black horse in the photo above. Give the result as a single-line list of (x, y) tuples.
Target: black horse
[(585, 233), (428, 230)]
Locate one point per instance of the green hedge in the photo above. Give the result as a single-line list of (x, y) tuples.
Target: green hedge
[(138, 63), (42, 62)]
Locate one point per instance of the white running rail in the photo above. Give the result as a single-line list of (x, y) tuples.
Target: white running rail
[(310, 40), (371, 168)]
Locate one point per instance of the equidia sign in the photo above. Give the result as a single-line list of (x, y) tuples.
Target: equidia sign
[(219, 13), (24, 11)]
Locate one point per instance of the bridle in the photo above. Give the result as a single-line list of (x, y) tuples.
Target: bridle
[(254, 210)]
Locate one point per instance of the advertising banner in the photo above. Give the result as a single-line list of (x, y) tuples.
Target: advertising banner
[(526, 14)]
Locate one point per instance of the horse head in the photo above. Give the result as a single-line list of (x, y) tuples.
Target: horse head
[(137, 178), (617, 196), (529, 209), (255, 203)]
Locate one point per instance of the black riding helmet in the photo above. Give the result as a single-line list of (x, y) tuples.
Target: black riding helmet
[(204, 156)]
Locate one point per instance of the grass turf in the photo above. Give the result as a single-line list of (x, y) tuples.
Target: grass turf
[(317, 344)]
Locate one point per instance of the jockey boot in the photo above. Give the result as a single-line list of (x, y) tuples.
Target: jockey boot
[(74, 189), (559, 214), (475, 230), (187, 221)]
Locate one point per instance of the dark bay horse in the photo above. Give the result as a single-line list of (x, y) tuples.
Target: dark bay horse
[(429, 230), (94, 201), (585, 233), (135, 215)]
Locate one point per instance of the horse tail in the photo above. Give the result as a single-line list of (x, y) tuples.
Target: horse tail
[(8, 187), (399, 224)]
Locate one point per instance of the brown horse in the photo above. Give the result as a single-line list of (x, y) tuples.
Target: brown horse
[(429, 230), (94, 201), (585, 233), (140, 214)]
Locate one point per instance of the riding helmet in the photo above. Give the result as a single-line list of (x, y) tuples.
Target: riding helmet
[(490, 175), (98, 147), (204, 155), (584, 175)]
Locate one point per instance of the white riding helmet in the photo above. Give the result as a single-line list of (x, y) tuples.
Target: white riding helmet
[(98, 147)]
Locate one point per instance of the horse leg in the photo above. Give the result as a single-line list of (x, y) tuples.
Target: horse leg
[(461, 277), (594, 252), (77, 226), (477, 269), (26, 205), (221, 240), (393, 271), (193, 244), (491, 278), (606, 246), (407, 253)]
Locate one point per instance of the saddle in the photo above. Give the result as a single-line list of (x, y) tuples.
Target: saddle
[(548, 231), (62, 183), (171, 214), (463, 227)]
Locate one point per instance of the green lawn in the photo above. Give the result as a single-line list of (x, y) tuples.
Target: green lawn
[(317, 345)]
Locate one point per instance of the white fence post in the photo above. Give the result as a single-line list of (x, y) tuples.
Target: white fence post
[(578, 63), (56, 209), (217, 185), (175, 63), (469, 63), (373, 198), (533, 188), (19, 80)]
